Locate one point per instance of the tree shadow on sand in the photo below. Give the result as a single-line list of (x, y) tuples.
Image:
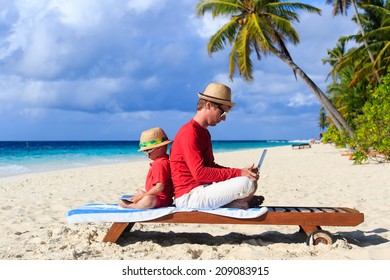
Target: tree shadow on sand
[(166, 239), (363, 238)]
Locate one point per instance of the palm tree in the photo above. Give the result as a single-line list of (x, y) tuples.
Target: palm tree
[(379, 33), (349, 100), (340, 7), (263, 26), (322, 120), (375, 21), (335, 57)]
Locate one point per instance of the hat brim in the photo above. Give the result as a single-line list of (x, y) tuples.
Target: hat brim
[(155, 146), (216, 100)]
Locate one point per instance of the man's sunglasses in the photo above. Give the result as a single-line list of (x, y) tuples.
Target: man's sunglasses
[(224, 113)]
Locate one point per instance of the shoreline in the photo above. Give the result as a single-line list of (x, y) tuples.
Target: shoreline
[(69, 168), (33, 207)]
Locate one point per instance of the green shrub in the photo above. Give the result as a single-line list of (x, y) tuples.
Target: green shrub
[(373, 125), (334, 136)]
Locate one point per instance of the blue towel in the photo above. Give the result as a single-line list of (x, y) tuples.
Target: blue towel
[(113, 213)]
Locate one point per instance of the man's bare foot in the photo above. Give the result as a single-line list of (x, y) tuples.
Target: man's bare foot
[(237, 204), (256, 201)]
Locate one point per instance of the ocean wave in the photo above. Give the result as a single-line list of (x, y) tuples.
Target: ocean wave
[(299, 141), (276, 141), (13, 169)]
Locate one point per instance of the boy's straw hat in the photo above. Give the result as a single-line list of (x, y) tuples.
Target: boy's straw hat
[(153, 138), (218, 93)]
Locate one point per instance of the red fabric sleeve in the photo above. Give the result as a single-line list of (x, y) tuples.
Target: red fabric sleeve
[(199, 157)]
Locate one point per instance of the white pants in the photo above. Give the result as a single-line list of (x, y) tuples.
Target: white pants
[(217, 194)]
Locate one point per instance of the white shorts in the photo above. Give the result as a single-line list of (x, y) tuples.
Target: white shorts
[(217, 194)]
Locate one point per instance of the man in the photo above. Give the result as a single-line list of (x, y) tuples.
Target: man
[(198, 181)]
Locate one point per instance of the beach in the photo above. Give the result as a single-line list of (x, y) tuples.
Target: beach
[(34, 206)]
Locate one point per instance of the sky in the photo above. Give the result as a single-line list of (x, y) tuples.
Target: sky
[(109, 69)]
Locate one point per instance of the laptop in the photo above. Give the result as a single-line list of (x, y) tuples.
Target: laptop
[(261, 160)]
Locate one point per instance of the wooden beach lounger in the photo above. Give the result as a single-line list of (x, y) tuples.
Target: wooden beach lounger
[(301, 146), (309, 220)]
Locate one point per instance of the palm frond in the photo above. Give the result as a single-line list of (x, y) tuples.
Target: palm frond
[(383, 56), (285, 29), (233, 62), (225, 34), (218, 7), (291, 10), (377, 10), (243, 49), (339, 6), (260, 31)]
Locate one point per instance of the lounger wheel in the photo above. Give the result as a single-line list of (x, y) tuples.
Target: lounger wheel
[(319, 237)]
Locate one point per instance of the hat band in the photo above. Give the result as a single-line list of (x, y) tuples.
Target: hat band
[(215, 97), (153, 142)]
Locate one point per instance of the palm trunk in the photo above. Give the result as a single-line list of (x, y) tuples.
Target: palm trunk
[(334, 114)]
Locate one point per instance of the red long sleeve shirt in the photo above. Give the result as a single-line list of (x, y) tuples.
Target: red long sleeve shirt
[(192, 160), (159, 172)]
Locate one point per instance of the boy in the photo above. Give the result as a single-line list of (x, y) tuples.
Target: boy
[(158, 186)]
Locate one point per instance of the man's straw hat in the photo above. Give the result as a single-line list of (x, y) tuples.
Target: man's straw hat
[(153, 138), (218, 93)]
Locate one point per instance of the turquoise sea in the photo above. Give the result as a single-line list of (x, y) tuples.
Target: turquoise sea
[(22, 157)]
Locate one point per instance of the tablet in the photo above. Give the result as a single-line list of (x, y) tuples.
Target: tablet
[(261, 159), (126, 198)]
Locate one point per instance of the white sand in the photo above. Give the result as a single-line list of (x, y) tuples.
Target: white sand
[(33, 208)]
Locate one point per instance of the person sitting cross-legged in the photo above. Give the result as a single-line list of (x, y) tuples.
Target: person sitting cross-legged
[(158, 186), (198, 181)]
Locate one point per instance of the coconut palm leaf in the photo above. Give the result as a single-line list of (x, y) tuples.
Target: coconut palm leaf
[(339, 6), (225, 34), (380, 35), (243, 50)]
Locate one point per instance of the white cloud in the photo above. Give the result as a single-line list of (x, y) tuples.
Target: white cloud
[(269, 87), (32, 113), (91, 95), (151, 82), (53, 38), (144, 5), (83, 15), (173, 54), (206, 26), (299, 99), (317, 34)]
